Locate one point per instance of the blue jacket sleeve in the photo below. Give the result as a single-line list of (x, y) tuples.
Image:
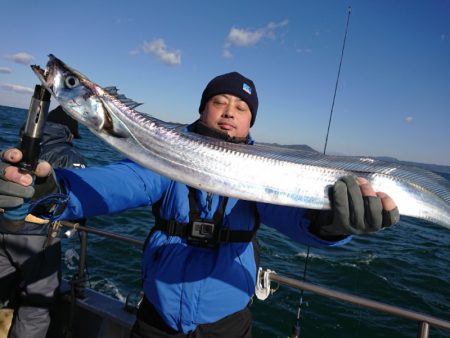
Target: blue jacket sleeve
[(292, 223), (104, 190)]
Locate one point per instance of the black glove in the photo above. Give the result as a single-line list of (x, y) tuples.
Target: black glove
[(351, 213), (12, 194), (45, 186), (47, 201)]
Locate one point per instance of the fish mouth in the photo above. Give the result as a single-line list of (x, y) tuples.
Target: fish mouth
[(46, 75), (41, 73)]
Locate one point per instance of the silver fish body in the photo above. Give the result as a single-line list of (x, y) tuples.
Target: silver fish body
[(262, 173)]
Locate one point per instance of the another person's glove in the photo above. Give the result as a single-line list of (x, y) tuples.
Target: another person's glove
[(12, 194), (351, 213)]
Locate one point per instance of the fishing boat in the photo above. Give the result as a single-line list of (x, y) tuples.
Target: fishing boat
[(84, 312)]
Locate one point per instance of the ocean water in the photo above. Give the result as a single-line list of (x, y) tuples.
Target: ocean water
[(407, 266)]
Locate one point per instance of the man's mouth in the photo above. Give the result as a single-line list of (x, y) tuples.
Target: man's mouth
[(225, 126)]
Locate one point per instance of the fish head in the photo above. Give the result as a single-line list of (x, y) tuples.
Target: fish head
[(77, 95)]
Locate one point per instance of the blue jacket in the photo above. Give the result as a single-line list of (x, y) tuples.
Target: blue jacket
[(187, 285)]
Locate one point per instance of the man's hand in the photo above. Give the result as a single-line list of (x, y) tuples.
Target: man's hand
[(355, 209), (15, 185)]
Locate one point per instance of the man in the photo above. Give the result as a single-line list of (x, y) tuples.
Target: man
[(193, 287), (29, 259)]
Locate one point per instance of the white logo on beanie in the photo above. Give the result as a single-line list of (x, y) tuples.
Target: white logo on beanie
[(247, 88)]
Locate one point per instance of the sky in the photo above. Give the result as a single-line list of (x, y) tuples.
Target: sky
[(393, 93)]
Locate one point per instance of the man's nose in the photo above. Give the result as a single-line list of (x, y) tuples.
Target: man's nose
[(228, 112)]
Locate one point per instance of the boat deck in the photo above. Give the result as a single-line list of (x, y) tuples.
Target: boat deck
[(93, 315)]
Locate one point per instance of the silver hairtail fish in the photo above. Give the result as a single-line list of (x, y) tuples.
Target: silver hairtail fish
[(251, 172)]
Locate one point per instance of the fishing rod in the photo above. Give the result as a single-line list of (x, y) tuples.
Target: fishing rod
[(296, 328), (337, 79), (34, 129), (30, 145)]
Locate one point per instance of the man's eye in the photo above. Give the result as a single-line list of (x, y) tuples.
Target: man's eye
[(219, 102), (71, 82)]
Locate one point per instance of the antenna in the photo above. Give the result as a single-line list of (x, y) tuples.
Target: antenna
[(337, 79)]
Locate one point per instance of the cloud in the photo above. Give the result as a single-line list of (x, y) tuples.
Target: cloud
[(5, 70), (16, 88), (158, 49), (408, 119), (22, 58), (241, 37)]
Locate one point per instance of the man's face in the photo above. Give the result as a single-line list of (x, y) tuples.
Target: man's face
[(229, 114)]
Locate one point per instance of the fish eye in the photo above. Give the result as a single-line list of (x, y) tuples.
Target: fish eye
[(71, 81)]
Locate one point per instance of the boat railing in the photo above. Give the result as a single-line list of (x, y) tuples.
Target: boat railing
[(424, 321)]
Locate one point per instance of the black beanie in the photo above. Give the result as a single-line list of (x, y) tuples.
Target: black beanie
[(235, 84), (58, 115)]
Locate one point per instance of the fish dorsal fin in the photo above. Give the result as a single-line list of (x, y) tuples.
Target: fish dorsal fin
[(122, 98)]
